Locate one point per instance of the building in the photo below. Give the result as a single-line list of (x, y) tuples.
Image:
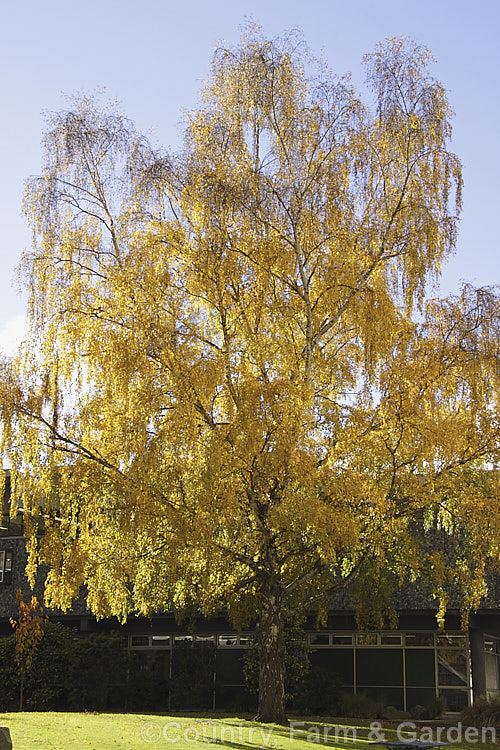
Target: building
[(406, 667)]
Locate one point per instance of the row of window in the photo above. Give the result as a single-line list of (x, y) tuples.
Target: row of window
[(166, 641), (411, 639), (402, 675), (316, 640)]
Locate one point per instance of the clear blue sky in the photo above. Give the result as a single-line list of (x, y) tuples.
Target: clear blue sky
[(153, 55)]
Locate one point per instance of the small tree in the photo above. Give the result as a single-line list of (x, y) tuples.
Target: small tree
[(28, 632)]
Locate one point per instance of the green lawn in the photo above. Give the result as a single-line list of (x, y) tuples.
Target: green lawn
[(77, 731)]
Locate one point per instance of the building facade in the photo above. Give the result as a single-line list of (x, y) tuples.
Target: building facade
[(404, 668)]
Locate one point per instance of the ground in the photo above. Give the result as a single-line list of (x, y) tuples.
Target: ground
[(92, 731)]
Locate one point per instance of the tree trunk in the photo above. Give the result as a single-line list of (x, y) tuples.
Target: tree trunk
[(21, 693), (271, 648)]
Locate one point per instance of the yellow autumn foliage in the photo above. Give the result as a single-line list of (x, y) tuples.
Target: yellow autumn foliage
[(234, 390)]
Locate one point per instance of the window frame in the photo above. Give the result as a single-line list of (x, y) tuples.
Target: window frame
[(6, 564)]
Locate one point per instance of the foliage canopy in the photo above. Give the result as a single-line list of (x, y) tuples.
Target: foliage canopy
[(233, 390)]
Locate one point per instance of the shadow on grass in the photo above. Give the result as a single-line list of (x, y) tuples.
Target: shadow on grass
[(248, 734)]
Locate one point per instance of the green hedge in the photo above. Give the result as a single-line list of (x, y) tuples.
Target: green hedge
[(95, 672), (68, 672)]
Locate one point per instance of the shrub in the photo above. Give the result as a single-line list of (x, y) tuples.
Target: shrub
[(147, 687), (46, 682), (317, 693), (9, 676), (97, 672), (192, 682), (360, 706), (483, 713), (68, 671), (391, 713), (435, 708), (418, 712)]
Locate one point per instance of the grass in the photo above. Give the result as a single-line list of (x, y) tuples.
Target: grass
[(92, 731)]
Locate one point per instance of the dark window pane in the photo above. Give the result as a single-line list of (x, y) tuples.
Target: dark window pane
[(379, 666), (420, 667), (390, 639), (419, 639), (456, 700), (452, 667), (341, 639), (139, 640), (229, 666), (338, 661), (452, 639), (366, 639), (319, 639)]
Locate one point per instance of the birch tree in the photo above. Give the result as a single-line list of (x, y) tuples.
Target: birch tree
[(234, 391)]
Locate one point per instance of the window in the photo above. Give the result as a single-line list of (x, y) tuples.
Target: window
[(455, 640), (491, 644), (366, 639), (319, 639), (205, 639), (390, 639), (5, 566), (160, 641), (420, 639), (237, 641), (139, 641), (342, 639), (452, 667), (149, 641)]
